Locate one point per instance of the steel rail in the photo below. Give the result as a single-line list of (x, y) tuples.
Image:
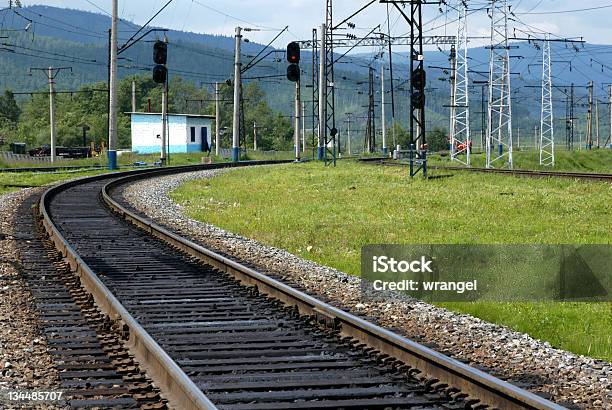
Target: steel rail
[(515, 172), (488, 389), (177, 387)]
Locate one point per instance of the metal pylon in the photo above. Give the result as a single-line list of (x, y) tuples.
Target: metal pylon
[(547, 135), (499, 127), (315, 92), (461, 141), (330, 150)]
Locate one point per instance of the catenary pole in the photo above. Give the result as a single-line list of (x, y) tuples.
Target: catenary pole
[(237, 92), (52, 111), (298, 119), (217, 120), (322, 96), (383, 118), (112, 115)]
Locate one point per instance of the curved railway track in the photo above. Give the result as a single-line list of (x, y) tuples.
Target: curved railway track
[(514, 172), (213, 333)]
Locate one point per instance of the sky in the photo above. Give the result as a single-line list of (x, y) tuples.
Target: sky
[(269, 16)]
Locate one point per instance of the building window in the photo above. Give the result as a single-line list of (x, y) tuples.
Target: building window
[(193, 134)]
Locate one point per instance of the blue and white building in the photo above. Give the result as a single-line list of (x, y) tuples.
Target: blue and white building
[(187, 132)]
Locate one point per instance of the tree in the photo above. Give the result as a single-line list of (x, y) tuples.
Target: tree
[(437, 140), (8, 107)]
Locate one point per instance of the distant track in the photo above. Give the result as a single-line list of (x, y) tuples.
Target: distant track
[(214, 333), (515, 172)]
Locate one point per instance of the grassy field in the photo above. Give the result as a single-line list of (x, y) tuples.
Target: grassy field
[(597, 160), (327, 214)]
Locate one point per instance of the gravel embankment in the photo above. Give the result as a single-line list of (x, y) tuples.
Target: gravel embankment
[(25, 364), (568, 379)]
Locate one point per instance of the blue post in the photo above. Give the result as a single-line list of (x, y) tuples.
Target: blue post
[(501, 149), (320, 153), (112, 160), (385, 151), (235, 154)]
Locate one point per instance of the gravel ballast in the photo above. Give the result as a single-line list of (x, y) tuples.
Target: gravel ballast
[(25, 364), (566, 378)]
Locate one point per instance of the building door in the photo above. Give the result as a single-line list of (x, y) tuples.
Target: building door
[(205, 144)]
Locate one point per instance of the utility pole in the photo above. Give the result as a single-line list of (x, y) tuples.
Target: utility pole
[(547, 134), (370, 142), (535, 137), (112, 115), (133, 96), (610, 136), (217, 120), (298, 119), (383, 117), (254, 136), (164, 135), (304, 127), (349, 120), (51, 73), (499, 127), (237, 98), (570, 136), (52, 111), (518, 141), (597, 122), (315, 94), (589, 134), (322, 96)]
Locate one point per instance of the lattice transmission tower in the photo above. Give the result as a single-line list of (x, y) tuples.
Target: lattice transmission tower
[(547, 134), (499, 126), (330, 148), (461, 140)]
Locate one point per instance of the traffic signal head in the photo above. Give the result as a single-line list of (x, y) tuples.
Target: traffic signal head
[(418, 79), (293, 72), (160, 74), (293, 52), (160, 52)]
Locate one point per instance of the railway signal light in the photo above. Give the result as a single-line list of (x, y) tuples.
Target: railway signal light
[(160, 52), (160, 58), (418, 79), (293, 72), (293, 52), (160, 74), (293, 57)]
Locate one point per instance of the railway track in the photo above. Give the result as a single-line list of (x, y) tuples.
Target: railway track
[(213, 333), (514, 172)]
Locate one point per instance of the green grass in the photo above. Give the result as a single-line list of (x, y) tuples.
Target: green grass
[(597, 160), (14, 181), (124, 159), (327, 214)]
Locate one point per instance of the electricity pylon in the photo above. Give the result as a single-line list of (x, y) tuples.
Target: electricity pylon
[(460, 130), (547, 134), (499, 127)]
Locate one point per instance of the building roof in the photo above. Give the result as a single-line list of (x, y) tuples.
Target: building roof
[(173, 115)]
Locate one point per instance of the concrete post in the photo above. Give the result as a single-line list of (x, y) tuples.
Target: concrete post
[(237, 91), (112, 115)]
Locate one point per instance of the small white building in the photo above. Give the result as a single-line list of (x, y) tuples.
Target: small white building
[(187, 132)]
